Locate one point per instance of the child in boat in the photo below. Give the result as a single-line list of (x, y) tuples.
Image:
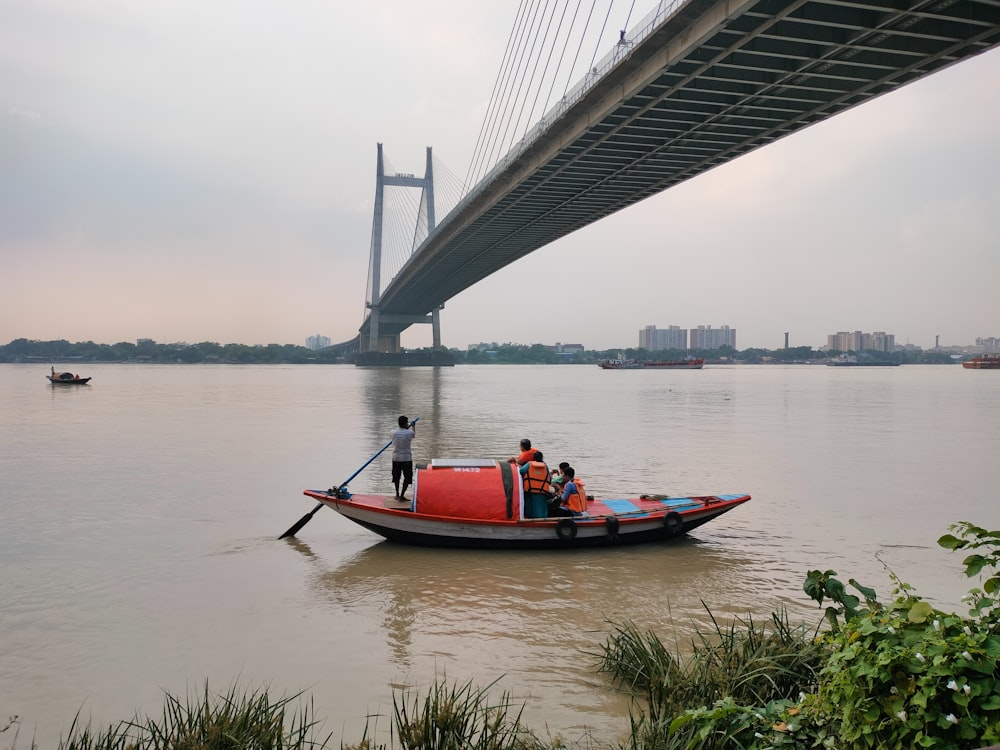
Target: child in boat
[(558, 476), (572, 501)]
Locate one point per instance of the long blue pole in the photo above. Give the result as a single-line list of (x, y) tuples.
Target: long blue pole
[(308, 516)]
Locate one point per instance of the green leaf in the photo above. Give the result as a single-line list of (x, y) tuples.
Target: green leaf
[(951, 542), (992, 646), (835, 589), (813, 586), (868, 593), (919, 612), (990, 704), (679, 722), (974, 564)]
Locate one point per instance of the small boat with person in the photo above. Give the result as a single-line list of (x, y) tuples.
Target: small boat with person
[(66, 378), (480, 504)]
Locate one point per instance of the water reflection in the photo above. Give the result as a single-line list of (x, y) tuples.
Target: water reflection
[(535, 600), (535, 620)]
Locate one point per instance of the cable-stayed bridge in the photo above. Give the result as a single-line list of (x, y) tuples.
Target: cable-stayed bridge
[(695, 84)]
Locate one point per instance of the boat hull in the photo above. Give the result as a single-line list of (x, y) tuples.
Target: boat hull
[(57, 380), (986, 362), (680, 364), (651, 521)]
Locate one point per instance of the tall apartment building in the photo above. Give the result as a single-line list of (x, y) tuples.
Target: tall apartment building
[(856, 341), (706, 337), (988, 345), (317, 342), (654, 339)]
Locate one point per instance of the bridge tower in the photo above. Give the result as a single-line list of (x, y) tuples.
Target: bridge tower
[(376, 340)]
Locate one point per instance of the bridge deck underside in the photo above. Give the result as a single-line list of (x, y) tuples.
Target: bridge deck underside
[(779, 66)]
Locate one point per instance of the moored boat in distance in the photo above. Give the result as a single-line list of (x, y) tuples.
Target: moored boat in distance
[(479, 504), (621, 363), (852, 360), (983, 362), (66, 378)]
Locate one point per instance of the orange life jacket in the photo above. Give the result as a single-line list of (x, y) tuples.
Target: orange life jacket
[(578, 501), (536, 479)]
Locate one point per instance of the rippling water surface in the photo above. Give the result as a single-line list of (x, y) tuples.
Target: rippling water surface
[(139, 516)]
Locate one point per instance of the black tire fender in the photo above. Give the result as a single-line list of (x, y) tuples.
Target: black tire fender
[(566, 529), (674, 523), (611, 523)]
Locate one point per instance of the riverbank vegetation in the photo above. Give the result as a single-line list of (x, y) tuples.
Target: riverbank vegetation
[(150, 352), (888, 674)]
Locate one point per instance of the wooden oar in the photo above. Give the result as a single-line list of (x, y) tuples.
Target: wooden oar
[(308, 516)]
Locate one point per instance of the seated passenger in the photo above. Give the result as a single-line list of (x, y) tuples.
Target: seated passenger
[(526, 454), (573, 500), (557, 476), (537, 488)]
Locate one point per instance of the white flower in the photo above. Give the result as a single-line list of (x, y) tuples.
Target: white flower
[(759, 716), (758, 735), (967, 655), (802, 696), (966, 689), (952, 685), (892, 630), (937, 624), (792, 727), (893, 690), (901, 715), (919, 657), (968, 631), (952, 718)]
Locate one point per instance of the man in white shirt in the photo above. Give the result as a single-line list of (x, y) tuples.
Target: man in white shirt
[(402, 456)]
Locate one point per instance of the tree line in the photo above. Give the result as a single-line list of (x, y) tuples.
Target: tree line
[(25, 350)]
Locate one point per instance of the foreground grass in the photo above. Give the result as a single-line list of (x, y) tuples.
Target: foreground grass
[(749, 662), (746, 659)]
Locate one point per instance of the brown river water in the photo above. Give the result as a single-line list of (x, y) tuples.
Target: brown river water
[(139, 518)]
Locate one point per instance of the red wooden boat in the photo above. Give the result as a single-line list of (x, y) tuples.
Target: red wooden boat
[(479, 503), (983, 362), (66, 378)]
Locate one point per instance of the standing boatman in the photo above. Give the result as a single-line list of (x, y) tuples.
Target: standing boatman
[(402, 455)]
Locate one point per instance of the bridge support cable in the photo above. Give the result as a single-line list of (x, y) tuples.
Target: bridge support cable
[(517, 100), (490, 120), (379, 332), (509, 97), (534, 70), (448, 188), (562, 54), (469, 176)]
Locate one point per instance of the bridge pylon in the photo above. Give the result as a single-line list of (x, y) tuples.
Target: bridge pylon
[(380, 332)]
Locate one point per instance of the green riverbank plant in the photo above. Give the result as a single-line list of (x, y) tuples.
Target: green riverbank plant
[(893, 675), (234, 720)]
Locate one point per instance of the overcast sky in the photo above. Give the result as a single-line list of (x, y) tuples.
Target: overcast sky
[(205, 171)]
